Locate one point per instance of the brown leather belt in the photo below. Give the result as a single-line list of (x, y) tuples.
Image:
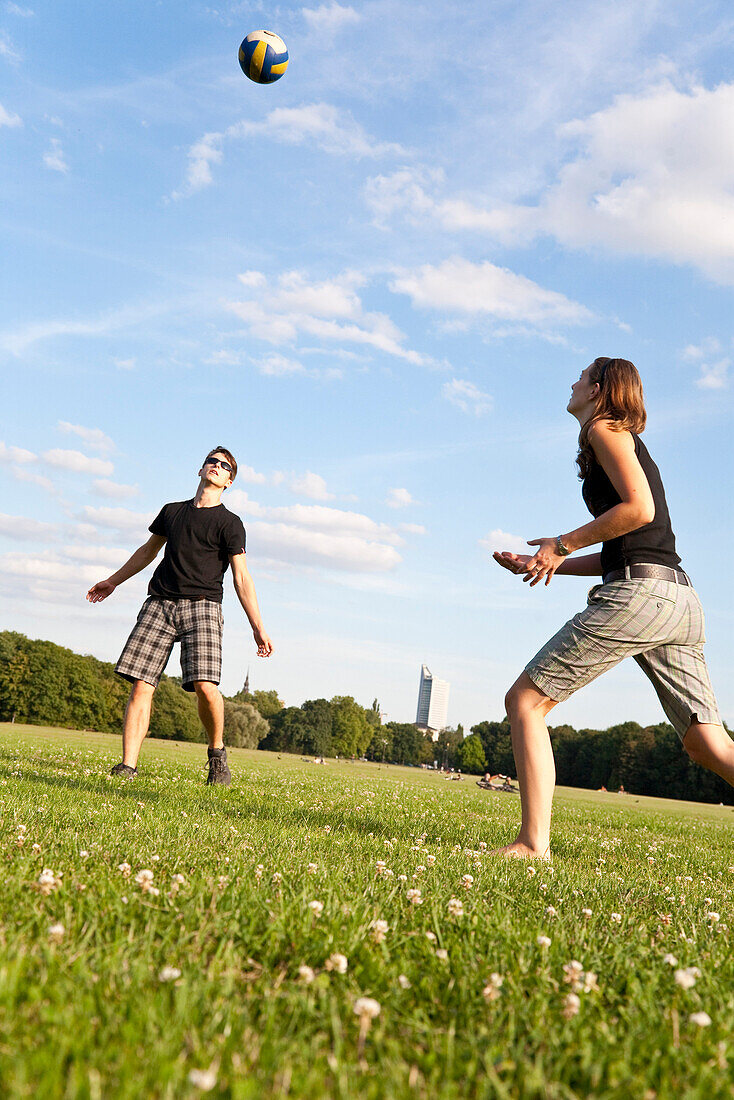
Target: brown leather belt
[(651, 572)]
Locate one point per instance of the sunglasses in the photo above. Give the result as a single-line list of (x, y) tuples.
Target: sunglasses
[(209, 461)]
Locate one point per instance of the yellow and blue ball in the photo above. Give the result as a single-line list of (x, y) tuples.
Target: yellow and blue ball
[(263, 57)]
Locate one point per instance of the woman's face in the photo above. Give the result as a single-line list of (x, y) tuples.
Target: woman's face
[(584, 394)]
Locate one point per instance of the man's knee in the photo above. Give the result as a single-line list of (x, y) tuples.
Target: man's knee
[(207, 690), (141, 690)]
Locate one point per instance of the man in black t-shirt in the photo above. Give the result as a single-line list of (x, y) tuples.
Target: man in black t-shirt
[(202, 539)]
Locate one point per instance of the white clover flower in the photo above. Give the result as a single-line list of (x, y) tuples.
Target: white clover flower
[(312, 868), (615, 918), (178, 880), (543, 941), (36, 848), (586, 914), (491, 990), (367, 1008), (571, 1005), (306, 974), (380, 929), (467, 881), (430, 860), (713, 917), (670, 959), (414, 897), (155, 859), (530, 871), (144, 880), (259, 871), (124, 869), (701, 1019), (442, 954), (48, 881), (551, 911), (380, 866), (276, 879), (337, 962), (203, 1079), (316, 907), (456, 907), (84, 854), (169, 974), (590, 982), (573, 972), (686, 978), (56, 933), (403, 981)]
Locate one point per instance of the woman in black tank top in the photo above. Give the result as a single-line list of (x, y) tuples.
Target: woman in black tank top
[(644, 607)]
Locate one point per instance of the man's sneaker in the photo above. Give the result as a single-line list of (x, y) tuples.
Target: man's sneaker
[(124, 771), (218, 769)]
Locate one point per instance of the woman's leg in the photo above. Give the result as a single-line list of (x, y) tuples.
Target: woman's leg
[(711, 746), (527, 708)]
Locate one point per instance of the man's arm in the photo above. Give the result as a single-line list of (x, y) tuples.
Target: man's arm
[(245, 589), (588, 565), (142, 557)]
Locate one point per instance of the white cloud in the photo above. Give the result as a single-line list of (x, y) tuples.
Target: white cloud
[(278, 366), (93, 437), (327, 19), (466, 396), (7, 118), (112, 490), (322, 125), (330, 310), (413, 528), (118, 519), (250, 475), (125, 364), (77, 462), (111, 557), (16, 9), (25, 529), (315, 534), (16, 454), (398, 498), (310, 485), (22, 473), (7, 50), (714, 376), (53, 158), (501, 540), (460, 286)]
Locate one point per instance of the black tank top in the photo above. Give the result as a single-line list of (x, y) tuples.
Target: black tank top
[(655, 542)]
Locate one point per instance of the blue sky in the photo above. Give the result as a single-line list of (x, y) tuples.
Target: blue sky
[(375, 282)]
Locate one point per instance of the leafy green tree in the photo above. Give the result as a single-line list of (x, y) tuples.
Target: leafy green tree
[(470, 755), (244, 727), (446, 746), (406, 743), (497, 744), (318, 733), (14, 676), (351, 732), (266, 703)]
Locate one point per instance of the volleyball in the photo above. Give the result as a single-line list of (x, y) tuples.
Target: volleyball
[(263, 57)]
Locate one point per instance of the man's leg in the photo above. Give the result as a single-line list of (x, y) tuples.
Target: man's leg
[(211, 712), (527, 708), (137, 720), (711, 746)]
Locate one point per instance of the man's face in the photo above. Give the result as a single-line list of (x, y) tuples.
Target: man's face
[(215, 473)]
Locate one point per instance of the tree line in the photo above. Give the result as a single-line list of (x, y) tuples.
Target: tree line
[(45, 684)]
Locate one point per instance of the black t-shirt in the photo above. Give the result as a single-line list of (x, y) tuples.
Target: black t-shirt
[(199, 542), (654, 543)]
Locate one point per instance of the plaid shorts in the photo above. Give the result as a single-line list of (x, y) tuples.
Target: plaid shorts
[(659, 623), (196, 624)]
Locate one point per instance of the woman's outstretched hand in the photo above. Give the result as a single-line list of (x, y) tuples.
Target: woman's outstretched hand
[(516, 563), (544, 562)]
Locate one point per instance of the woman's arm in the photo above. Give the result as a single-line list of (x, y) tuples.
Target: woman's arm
[(615, 453)]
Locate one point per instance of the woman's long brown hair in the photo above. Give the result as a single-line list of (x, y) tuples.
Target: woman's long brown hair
[(620, 401)]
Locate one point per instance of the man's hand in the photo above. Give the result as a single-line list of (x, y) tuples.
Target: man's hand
[(544, 563), (100, 591), (264, 645), (516, 563)]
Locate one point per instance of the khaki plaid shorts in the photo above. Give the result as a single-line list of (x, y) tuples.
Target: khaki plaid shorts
[(196, 624), (659, 623)]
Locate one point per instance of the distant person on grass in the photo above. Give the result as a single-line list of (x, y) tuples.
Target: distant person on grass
[(645, 606), (202, 538)]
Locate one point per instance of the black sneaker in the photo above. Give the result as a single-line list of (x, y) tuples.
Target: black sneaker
[(218, 769), (124, 771)]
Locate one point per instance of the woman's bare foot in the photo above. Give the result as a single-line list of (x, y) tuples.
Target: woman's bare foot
[(518, 850)]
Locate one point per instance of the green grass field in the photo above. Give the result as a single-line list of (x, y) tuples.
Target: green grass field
[(262, 971)]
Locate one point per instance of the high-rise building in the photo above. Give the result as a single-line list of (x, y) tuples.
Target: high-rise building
[(433, 702)]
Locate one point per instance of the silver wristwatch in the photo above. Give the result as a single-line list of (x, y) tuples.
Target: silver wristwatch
[(560, 548)]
